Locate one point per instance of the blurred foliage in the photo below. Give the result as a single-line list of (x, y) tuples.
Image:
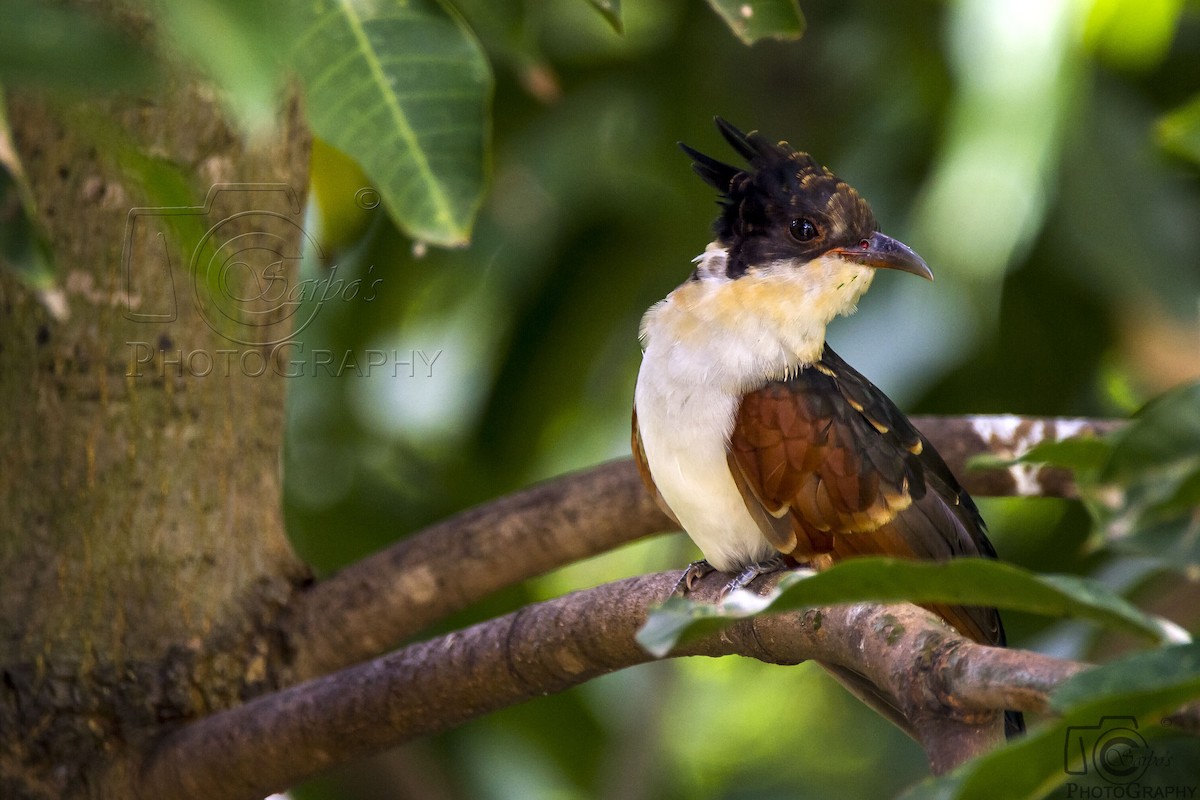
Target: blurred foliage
[(69, 49), (24, 249), (1096, 736), (752, 20), (1042, 155), (1142, 483), (241, 47)]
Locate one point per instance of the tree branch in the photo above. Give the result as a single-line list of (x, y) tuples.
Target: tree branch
[(375, 604), (378, 602), (947, 686)]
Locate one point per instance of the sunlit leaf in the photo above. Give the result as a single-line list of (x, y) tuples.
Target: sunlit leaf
[(1135, 34), (1179, 131), (752, 20), (403, 88), (1123, 699), (340, 197), (964, 581)]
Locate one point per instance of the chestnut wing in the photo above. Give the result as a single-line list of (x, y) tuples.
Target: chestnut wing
[(830, 452)]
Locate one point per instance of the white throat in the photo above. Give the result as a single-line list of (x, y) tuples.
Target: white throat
[(709, 342), (741, 332)]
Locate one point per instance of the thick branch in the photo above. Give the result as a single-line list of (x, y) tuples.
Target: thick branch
[(273, 742), (372, 606)]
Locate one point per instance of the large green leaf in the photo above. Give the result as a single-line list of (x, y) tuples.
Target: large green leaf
[(964, 581), (752, 20), (403, 88), (1117, 702)]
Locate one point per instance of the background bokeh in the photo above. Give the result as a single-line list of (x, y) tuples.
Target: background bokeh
[(1019, 145)]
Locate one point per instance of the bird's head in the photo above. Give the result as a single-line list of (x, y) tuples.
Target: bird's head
[(788, 216), (795, 247)]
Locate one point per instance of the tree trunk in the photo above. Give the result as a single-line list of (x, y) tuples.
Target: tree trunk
[(142, 554)]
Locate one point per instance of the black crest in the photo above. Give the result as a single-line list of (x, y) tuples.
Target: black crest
[(782, 191)]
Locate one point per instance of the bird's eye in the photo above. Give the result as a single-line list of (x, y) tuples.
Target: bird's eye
[(802, 229)]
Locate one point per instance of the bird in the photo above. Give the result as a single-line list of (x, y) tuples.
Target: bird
[(752, 434)]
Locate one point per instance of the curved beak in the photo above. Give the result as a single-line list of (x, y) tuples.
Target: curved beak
[(884, 252)]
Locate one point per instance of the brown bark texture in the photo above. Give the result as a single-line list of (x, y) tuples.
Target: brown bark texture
[(142, 554)]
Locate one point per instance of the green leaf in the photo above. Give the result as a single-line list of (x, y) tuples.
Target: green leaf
[(1131, 34), (1174, 543), (1146, 498), (679, 620), (403, 88), (1172, 673), (24, 247), (1179, 131), (964, 581), (751, 20), (158, 187), (1167, 430), (1080, 453), (74, 49), (611, 11), (1123, 699), (242, 46), (1077, 453)]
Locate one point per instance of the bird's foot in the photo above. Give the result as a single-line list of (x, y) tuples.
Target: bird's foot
[(694, 572), (745, 577)]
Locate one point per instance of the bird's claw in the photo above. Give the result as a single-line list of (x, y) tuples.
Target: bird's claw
[(694, 572), (698, 569), (746, 576)]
